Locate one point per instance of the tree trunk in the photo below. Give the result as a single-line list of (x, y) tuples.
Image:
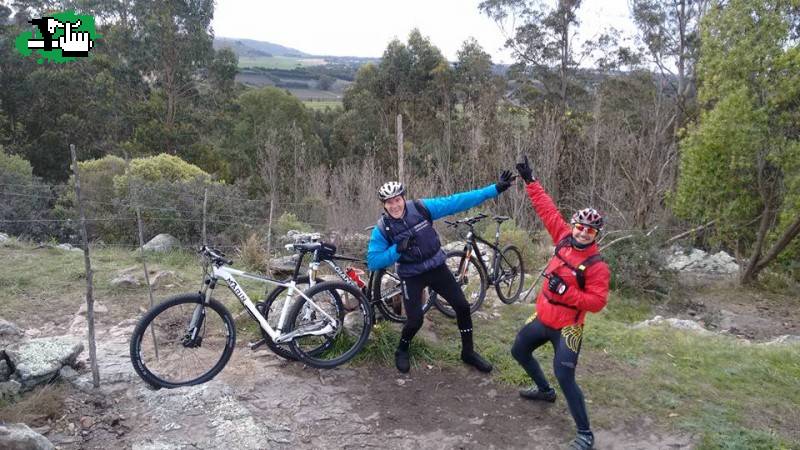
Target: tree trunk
[(400, 149), (753, 269)]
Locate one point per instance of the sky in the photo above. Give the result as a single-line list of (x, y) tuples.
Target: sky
[(365, 27)]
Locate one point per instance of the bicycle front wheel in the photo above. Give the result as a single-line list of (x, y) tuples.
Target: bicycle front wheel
[(182, 342), (510, 275), (317, 325), (470, 276)]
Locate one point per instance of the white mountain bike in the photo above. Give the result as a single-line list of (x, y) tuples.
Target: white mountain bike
[(188, 339)]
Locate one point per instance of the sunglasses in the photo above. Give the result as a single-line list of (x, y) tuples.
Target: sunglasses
[(585, 228)]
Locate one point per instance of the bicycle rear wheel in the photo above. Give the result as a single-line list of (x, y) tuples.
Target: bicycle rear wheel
[(182, 342), (470, 276), (271, 309), (387, 295), (510, 275), (317, 325)]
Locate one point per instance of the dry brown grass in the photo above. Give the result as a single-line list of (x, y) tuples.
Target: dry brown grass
[(253, 254), (35, 407)]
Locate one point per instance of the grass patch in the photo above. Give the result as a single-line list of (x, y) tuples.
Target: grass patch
[(323, 105), (278, 62), (34, 408), (732, 395)]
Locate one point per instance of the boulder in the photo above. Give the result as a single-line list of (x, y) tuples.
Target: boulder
[(699, 261), (9, 389), (164, 278), (3, 237), (125, 282), (5, 370), (283, 266), (9, 329), (162, 243), (39, 360), (18, 436), (68, 248), (99, 308), (690, 325), (786, 339)]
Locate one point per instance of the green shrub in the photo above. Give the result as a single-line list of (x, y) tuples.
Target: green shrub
[(638, 264), (289, 221), (24, 199), (169, 194)]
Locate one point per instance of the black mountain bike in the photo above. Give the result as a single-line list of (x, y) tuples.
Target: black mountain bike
[(505, 272), (383, 290)]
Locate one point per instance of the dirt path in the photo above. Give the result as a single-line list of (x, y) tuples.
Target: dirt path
[(262, 401)]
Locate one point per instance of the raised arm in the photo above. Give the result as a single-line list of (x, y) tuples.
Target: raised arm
[(547, 211), (452, 204)]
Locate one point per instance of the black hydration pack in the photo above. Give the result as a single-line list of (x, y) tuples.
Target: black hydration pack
[(580, 271)]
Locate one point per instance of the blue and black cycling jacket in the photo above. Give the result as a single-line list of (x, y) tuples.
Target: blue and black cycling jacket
[(380, 253)]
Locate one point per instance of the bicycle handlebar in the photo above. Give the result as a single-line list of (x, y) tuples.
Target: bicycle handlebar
[(469, 221), (216, 256)]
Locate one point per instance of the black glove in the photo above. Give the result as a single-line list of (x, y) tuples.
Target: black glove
[(556, 284), (524, 170), (504, 182), (404, 244)]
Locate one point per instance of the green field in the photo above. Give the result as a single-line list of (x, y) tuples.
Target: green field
[(279, 62), (321, 105)]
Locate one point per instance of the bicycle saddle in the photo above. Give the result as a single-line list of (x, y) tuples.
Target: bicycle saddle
[(501, 219), (308, 246)]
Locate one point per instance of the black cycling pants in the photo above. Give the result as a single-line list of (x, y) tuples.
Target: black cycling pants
[(567, 345), (441, 280)]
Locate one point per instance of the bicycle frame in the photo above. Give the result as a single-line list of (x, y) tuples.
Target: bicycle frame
[(472, 246), (227, 274)]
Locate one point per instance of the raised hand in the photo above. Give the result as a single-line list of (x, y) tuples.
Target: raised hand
[(525, 171), (504, 182)]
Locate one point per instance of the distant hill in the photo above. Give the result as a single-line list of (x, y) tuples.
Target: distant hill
[(252, 48)]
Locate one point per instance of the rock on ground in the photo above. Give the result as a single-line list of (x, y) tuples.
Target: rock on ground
[(18, 436), (700, 261), (162, 243), (39, 360), (690, 325)]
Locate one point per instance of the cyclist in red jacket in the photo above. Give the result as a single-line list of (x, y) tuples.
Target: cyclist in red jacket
[(576, 283)]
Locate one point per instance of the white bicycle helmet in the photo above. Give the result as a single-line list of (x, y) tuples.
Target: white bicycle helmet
[(390, 190), (589, 217)]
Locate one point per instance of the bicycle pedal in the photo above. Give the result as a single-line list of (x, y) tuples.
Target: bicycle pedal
[(255, 345)]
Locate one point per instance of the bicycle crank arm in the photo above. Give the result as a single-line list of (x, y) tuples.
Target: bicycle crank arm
[(256, 344), (312, 329)]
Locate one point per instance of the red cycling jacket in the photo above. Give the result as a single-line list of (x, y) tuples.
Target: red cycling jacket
[(554, 310)]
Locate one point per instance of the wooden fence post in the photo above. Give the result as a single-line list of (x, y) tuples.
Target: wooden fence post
[(87, 262), (205, 204), (140, 227)]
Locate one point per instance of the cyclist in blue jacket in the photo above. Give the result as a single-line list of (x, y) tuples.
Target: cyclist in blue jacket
[(405, 235)]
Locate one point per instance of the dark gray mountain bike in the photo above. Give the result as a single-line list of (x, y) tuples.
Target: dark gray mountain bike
[(505, 270)]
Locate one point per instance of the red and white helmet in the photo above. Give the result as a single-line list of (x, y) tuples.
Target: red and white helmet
[(589, 217)]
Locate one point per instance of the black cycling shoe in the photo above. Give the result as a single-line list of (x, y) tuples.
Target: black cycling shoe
[(535, 394), (477, 361), (582, 442), (401, 361)]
